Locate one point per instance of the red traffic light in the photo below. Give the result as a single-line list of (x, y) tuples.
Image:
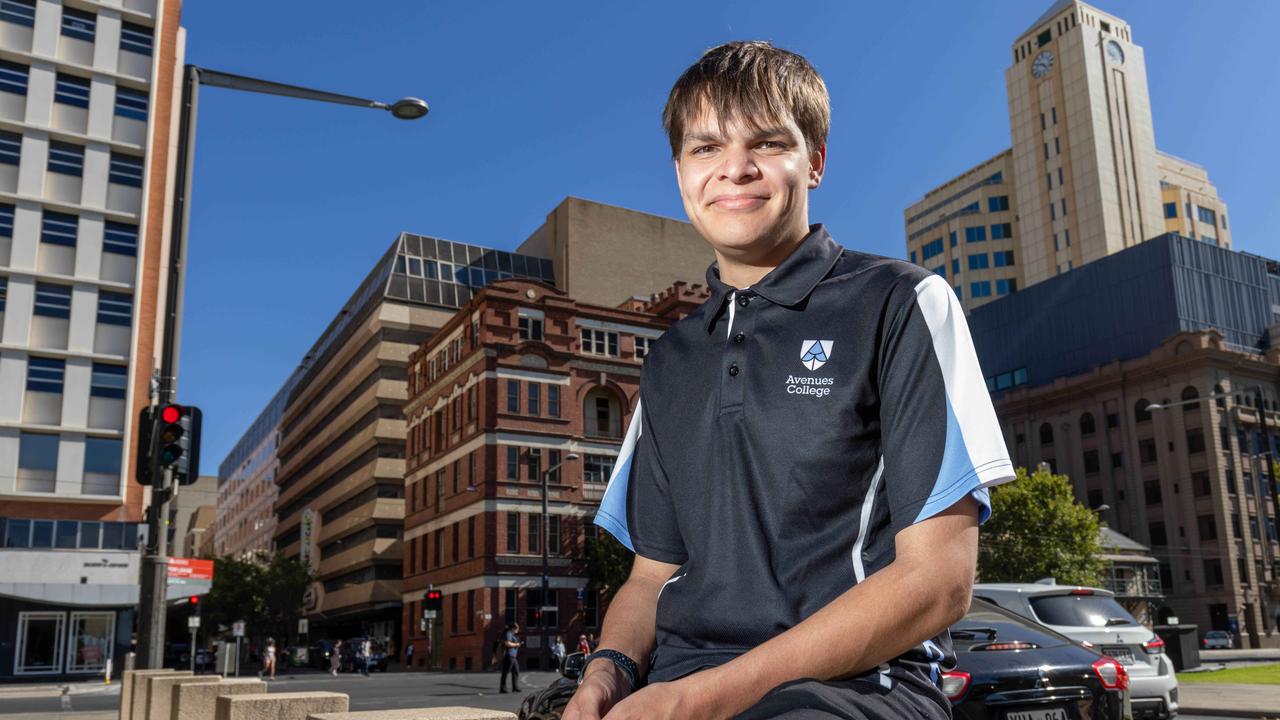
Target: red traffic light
[(194, 600), (171, 413), (434, 595)]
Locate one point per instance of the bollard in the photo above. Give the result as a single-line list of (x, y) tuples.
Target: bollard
[(199, 701), (436, 713), (133, 691), (161, 689), (107, 675), (279, 706)]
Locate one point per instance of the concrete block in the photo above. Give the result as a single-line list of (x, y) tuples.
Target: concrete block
[(160, 692), (134, 705), (126, 689), (198, 701), (279, 706), (439, 713)]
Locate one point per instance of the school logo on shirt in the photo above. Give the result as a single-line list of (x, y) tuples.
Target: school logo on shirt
[(815, 353)]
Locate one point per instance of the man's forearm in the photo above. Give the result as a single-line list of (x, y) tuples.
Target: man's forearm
[(873, 622), (629, 626)]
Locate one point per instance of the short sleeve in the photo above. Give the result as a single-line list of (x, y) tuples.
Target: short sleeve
[(940, 437), (636, 507)]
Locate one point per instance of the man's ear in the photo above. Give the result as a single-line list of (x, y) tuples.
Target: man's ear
[(817, 166)]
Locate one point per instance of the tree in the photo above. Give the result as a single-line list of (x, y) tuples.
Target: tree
[(267, 597), (608, 563), (1037, 530)]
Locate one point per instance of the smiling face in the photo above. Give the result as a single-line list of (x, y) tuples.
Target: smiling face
[(746, 187)]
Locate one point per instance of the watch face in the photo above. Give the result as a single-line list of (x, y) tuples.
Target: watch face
[(1115, 52), (1042, 64)]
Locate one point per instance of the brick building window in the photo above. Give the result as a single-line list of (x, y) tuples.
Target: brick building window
[(513, 532)]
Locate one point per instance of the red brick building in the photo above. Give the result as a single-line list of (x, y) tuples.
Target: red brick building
[(519, 378)]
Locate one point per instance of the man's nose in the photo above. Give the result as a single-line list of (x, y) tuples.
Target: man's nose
[(738, 165)]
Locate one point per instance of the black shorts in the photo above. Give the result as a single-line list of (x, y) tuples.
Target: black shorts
[(846, 699)]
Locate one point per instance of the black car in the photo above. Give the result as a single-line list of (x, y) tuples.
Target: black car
[(1007, 667), (1010, 667), (319, 652)]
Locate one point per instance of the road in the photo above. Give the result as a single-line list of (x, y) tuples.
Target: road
[(380, 691)]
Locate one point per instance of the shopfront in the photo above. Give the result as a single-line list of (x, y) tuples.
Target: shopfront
[(64, 614)]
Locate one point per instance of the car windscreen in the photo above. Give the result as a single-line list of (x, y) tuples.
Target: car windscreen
[(986, 623), (1080, 611)]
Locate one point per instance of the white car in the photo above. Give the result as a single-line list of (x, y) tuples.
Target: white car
[(1217, 640), (1093, 617)]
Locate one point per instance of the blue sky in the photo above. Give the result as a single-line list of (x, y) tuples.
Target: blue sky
[(531, 102)]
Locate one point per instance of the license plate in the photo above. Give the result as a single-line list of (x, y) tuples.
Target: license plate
[(1056, 713), (1123, 654)]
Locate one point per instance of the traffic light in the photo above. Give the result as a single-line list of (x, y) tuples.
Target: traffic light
[(434, 601), (195, 602), (177, 441), (146, 430)]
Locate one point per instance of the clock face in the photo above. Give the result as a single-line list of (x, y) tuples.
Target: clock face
[(1042, 64), (1115, 52)]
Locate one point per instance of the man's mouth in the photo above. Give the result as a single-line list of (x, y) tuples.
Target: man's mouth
[(739, 201)]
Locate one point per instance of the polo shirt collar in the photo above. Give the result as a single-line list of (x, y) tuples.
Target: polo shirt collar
[(787, 285)]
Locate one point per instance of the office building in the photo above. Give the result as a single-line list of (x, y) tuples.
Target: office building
[(1083, 178), (520, 378), (87, 96), (1074, 364)]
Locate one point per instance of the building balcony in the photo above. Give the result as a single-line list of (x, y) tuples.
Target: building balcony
[(1134, 587), (373, 549)]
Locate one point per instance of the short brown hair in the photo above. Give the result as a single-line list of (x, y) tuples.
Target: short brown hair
[(753, 82)]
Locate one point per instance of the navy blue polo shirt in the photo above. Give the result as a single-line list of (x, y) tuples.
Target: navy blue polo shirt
[(785, 434)]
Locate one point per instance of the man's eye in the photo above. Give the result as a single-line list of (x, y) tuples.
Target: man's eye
[(773, 145), (702, 150)]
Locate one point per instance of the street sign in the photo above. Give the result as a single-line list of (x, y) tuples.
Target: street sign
[(422, 625), (193, 622), (302, 626), (429, 614), (582, 594), (237, 629)]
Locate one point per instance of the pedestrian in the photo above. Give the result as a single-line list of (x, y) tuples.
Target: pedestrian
[(366, 652), (584, 647), (557, 650), (877, 425), (592, 642), (408, 656), (510, 659), (269, 660), (335, 658)]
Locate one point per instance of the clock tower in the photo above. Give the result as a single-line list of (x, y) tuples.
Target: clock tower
[(1084, 155)]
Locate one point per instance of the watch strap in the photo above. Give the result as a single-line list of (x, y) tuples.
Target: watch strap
[(623, 663)]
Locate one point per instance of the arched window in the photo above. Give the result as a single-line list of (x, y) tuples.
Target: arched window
[(1190, 393), (1221, 401), (601, 414), (1087, 427), (1046, 434), (1140, 411)]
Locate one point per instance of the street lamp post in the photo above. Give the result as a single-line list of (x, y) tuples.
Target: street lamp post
[(546, 534), (155, 559)]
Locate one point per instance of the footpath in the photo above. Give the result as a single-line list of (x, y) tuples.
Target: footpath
[(1241, 701)]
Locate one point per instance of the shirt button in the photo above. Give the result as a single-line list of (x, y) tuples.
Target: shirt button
[(739, 338), (744, 300), (733, 370)]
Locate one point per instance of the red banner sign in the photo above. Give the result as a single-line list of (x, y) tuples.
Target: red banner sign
[(189, 568)]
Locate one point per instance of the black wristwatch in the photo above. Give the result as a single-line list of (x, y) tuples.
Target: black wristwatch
[(624, 663)]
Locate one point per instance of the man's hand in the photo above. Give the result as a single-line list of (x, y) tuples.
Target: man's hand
[(600, 690), (662, 701)]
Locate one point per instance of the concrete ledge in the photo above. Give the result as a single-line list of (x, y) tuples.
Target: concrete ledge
[(198, 701), (133, 691), (160, 692), (439, 713), (279, 706)]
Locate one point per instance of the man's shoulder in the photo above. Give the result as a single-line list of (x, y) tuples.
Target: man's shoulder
[(875, 271)]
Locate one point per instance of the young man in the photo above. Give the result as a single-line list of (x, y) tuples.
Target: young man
[(808, 464), (510, 658)]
